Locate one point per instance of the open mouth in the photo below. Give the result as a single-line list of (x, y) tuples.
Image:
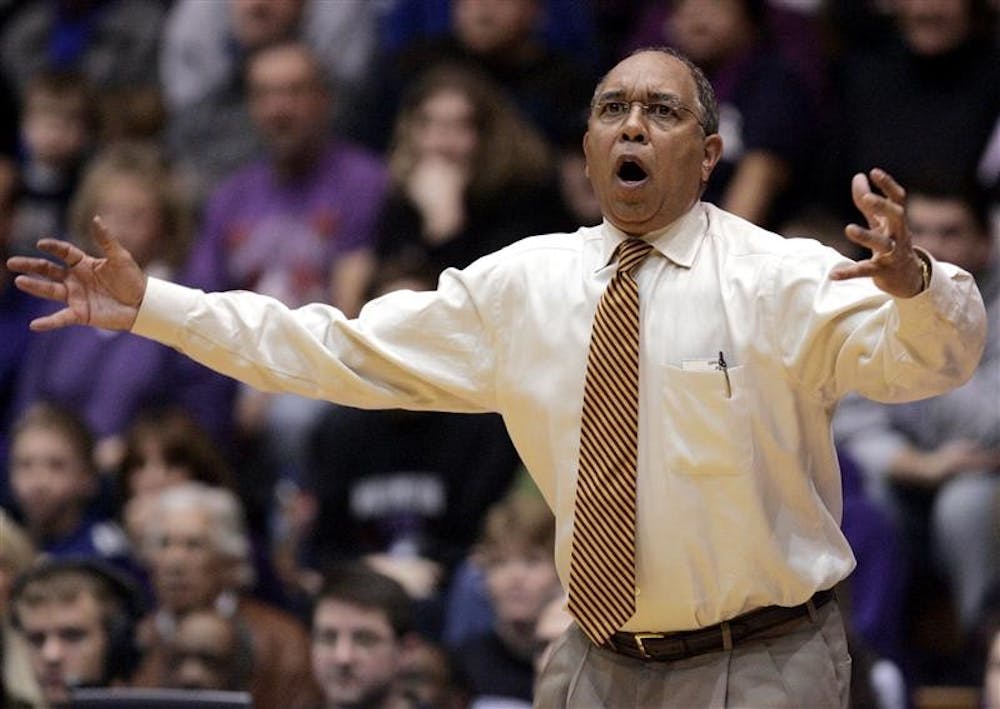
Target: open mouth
[(631, 172)]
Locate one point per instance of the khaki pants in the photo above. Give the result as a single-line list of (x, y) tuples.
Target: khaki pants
[(800, 664)]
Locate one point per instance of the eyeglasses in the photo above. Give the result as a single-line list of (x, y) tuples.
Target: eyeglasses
[(663, 114)]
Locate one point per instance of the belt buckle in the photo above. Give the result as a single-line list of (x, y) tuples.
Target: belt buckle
[(640, 637)]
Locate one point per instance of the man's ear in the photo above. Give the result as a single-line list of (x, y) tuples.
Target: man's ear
[(586, 154), (713, 151)]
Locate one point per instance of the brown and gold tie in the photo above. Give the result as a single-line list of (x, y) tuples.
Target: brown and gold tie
[(602, 560)]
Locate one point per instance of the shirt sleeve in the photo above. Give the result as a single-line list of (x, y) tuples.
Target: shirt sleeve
[(849, 336), (422, 351)]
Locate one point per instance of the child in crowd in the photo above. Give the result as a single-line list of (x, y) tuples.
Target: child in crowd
[(516, 551), (57, 130), (56, 484)]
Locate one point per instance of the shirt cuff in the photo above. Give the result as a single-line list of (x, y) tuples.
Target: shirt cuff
[(164, 310), (936, 298)]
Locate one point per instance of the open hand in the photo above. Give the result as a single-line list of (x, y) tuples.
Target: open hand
[(102, 292), (894, 266)]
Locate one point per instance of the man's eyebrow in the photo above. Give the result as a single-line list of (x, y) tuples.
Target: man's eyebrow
[(610, 95), (619, 94)]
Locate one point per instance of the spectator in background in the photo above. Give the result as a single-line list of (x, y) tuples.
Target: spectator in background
[(933, 463), (516, 550), (78, 617), (18, 686), (428, 674), (203, 61), (765, 109), (58, 124), (939, 76), (298, 225), (361, 629), (56, 486), (199, 558), (210, 651), (469, 176), (498, 38), (131, 187)]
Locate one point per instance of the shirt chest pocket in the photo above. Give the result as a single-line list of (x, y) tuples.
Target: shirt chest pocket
[(707, 427)]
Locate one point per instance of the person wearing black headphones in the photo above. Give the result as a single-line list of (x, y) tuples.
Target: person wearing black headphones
[(78, 617)]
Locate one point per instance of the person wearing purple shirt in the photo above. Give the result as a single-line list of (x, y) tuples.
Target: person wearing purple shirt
[(298, 225), (130, 186)]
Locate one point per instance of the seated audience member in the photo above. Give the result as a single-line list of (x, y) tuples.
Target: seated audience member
[(78, 617), (18, 686), (130, 187), (427, 673), (56, 487), (361, 628), (298, 224), (210, 650), (203, 59), (765, 109), (198, 554), (498, 38), (516, 551), (942, 54), (933, 463), (563, 25), (57, 132), (469, 176)]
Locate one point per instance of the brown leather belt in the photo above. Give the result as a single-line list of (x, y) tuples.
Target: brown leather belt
[(669, 647)]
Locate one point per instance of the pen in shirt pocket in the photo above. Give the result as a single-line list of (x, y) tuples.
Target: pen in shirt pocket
[(725, 373)]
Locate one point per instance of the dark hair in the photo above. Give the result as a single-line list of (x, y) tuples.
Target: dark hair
[(967, 192), (709, 118), (184, 444), (359, 585)]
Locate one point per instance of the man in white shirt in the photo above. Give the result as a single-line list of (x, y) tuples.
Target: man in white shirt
[(747, 342)]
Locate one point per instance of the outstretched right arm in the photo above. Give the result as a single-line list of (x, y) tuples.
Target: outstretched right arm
[(102, 292)]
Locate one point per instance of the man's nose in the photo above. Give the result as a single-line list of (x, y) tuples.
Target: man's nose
[(343, 651), (52, 650), (634, 129)]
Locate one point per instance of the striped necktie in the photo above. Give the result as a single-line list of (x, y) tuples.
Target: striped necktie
[(602, 561)]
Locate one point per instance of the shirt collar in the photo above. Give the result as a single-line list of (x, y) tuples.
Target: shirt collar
[(679, 241)]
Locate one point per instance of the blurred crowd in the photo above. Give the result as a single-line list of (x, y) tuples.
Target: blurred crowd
[(162, 526)]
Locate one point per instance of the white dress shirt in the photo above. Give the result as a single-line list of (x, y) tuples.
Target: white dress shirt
[(739, 498)]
